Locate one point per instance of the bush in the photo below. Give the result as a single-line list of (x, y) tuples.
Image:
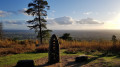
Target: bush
[(66, 36), (9, 46), (72, 51), (42, 49)]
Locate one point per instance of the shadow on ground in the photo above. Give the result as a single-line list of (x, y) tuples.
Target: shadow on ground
[(43, 65), (71, 63)]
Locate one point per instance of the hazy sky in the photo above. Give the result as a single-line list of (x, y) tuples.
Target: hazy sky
[(65, 14)]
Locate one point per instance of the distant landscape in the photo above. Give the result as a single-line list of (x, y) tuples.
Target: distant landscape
[(76, 34)]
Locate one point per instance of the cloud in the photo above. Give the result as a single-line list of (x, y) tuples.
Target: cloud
[(13, 22), (66, 20), (23, 11), (61, 20), (4, 13), (65, 23), (89, 21), (51, 21), (7, 13)]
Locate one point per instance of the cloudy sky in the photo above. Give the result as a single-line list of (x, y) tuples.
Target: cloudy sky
[(64, 14)]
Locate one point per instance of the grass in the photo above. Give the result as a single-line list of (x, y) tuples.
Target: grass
[(112, 61), (110, 58), (62, 52), (9, 60), (13, 59)]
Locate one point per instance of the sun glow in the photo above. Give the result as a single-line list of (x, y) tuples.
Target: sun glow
[(114, 24)]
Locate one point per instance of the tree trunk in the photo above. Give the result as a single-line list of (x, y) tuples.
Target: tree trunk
[(40, 34), (40, 25)]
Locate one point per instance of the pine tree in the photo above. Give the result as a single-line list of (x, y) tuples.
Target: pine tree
[(38, 10)]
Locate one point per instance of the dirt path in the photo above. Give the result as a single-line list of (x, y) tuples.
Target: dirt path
[(65, 61), (69, 61)]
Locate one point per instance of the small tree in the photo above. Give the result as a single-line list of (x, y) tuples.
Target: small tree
[(38, 10), (66, 36), (114, 40)]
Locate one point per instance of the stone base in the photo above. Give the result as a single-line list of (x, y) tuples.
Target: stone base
[(25, 63), (81, 58)]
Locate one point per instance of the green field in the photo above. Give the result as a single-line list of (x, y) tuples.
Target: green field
[(10, 60)]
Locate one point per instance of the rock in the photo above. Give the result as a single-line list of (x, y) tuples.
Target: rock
[(54, 50), (25, 63), (81, 58)]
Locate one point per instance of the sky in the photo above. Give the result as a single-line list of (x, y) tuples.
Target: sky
[(64, 14)]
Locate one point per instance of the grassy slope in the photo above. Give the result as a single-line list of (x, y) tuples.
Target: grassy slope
[(12, 59), (9, 60)]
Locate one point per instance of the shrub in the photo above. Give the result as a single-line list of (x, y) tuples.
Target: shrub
[(9, 46), (66, 36), (42, 49), (72, 51)]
